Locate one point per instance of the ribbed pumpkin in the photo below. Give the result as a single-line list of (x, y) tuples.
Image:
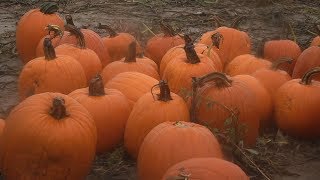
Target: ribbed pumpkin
[(110, 110), (316, 40), (150, 111), (88, 59), (308, 59), (31, 28), (48, 136), (131, 63), (275, 49), (132, 84), (117, 43), (172, 142), (2, 124), (158, 45), (297, 106), (220, 99), (246, 64), (182, 68), (51, 73), (205, 169), (199, 48)]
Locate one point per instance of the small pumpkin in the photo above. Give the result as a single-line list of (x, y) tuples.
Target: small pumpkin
[(31, 28), (55, 38), (110, 110), (316, 40), (158, 45), (131, 63), (117, 43), (88, 59), (297, 106), (173, 142), (205, 169), (51, 73), (150, 111), (60, 144)]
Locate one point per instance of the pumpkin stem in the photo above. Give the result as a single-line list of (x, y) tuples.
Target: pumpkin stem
[(220, 79), (307, 77), (77, 33), (49, 8), (191, 53), (48, 49), (275, 64), (260, 49), (235, 24), (55, 29), (164, 91), (69, 19), (217, 38), (96, 87), (187, 39), (58, 109), (111, 31), (167, 29), (131, 55)]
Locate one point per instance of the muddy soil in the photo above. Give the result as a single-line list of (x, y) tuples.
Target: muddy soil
[(284, 160)]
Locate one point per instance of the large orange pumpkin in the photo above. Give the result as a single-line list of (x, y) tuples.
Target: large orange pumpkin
[(205, 169), (297, 106), (110, 110), (117, 43), (308, 59), (149, 111), (172, 142), (88, 59), (48, 136), (316, 40), (51, 73), (131, 63), (158, 45), (31, 28), (132, 84)]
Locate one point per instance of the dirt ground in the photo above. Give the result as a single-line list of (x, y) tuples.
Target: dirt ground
[(277, 156)]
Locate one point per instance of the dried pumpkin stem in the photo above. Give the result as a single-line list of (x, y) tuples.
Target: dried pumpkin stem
[(48, 49), (96, 87), (191, 54), (187, 39), (55, 29), (164, 92), (69, 19), (217, 38), (132, 51), (77, 33), (307, 77), (220, 79), (275, 64), (111, 31), (167, 29), (49, 8), (58, 109)]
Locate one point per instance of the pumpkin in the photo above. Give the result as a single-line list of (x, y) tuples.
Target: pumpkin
[(88, 59), (92, 39), (205, 169), (117, 43), (2, 124), (55, 38), (158, 45), (297, 106), (150, 111), (131, 63), (246, 64), (110, 110), (275, 49), (172, 142), (199, 48), (316, 40), (132, 84), (31, 28), (179, 71), (308, 59), (48, 136), (231, 105), (50, 73)]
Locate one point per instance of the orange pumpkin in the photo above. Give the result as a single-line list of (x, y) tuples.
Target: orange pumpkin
[(308, 59), (88, 59), (179, 71), (110, 110), (51, 74), (117, 43), (316, 40), (158, 45), (31, 28), (275, 49), (132, 84), (150, 111), (205, 169), (131, 63), (60, 144), (297, 106), (172, 142), (246, 64)]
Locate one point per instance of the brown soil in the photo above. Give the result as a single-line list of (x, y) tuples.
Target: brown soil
[(279, 157)]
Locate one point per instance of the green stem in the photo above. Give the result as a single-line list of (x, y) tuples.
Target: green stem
[(48, 49)]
